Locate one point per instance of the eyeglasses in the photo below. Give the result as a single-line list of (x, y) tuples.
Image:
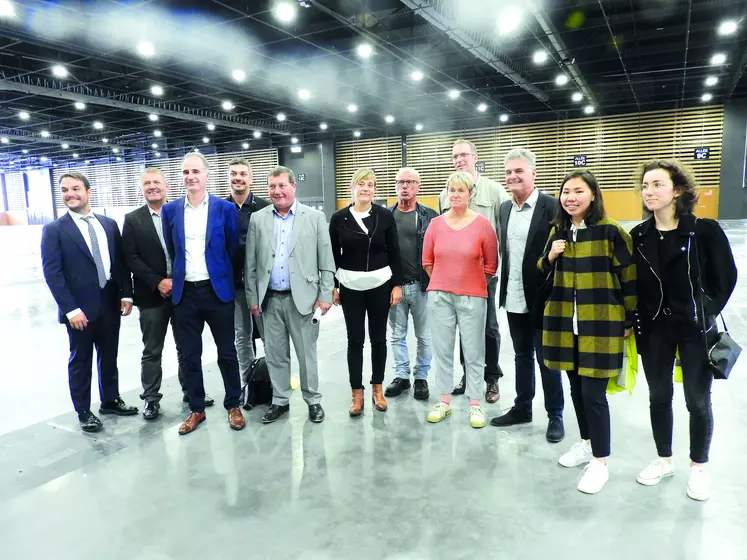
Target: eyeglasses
[(463, 155), (407, 182)]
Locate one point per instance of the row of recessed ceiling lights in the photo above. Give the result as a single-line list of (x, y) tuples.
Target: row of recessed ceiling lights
[(725, 28)]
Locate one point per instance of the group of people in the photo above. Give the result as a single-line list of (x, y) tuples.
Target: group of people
[(573, 282)]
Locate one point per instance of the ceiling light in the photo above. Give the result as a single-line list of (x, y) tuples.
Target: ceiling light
[(146, 48), (6, 8), (509, 20), (43, 159), (25, 151), (539, 57), (158, 154), (352, 107), (296, 149), (238, 75), (711, 81), (323, 126), (154, 146), (245, 146), (44, 134), (561, 79), (59, 71), (4, 140), (482, 107), (294, 140), (87, 162), (304, 94), (205, 139), (706, 97), (79, 105), (417, 75), (389, 119), (75, 156), (280, 117), (157, 133), (156, 90), (257, 134), (588, 109), (578, 96), (503, 118), (727, 27), (24, 116), (211, 126), (65, 146), (153, 117), (357, 133), (119, 159), (717, 59), (227, 105), (454, 93), (98, 125), (196, 150), (364, 50), (105, 140), (418, 127), (285, 12), (115, 150)]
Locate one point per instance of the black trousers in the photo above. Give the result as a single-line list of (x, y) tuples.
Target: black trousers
[(200, 305), (154, 323), (492, 338), (657, 349), (102, 334), (355, 306)]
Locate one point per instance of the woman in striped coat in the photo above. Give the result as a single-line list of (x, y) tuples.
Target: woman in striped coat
[(588, 314)]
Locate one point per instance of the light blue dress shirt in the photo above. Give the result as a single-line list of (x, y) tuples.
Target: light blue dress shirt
[(280, 275)]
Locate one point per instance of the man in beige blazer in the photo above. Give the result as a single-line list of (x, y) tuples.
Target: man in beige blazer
[(289, 274)]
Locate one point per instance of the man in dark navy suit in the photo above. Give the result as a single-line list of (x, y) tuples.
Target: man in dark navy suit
[(201, 236), (86, 273)]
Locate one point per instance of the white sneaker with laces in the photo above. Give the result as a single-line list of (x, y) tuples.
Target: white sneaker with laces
[(439, 412), (699, 484), (579, 454), (596, 475), (655, 471), (476, 417)]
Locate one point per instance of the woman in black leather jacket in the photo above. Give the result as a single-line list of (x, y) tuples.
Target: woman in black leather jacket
[(686, 274)]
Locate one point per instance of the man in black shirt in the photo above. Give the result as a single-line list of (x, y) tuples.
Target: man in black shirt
[(240, 176)]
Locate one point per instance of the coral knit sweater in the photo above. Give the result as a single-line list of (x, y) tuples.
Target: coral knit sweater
[(460, 258)]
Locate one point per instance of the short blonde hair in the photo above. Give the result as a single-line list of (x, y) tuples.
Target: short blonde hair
[(465, 141), (199, 156), (363, 174), (461, 179), (148, 170)]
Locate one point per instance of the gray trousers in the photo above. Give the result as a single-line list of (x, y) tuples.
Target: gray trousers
[(242, 325), (281, 321), (446, 311), (154, 323)]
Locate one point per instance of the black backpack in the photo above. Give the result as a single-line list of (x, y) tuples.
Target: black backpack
[(258, 389)]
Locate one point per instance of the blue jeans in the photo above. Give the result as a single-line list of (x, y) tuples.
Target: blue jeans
[(414, 301)]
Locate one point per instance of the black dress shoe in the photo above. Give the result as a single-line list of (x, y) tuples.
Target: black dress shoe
[(396, 387), (421, 392), (512, 417), (151, 410), (461, 387), (118, 407), (274, 413), (316, 413), (492, 392), (209, 401), (89, 422), (555, 430)]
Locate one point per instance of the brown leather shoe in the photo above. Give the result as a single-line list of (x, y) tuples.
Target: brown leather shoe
[(190, 424), (492, 393), (236, 419), (356, 409), (378, 398)]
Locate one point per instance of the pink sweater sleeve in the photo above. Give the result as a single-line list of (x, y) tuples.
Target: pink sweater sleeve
[(428, 257), (489, 249)]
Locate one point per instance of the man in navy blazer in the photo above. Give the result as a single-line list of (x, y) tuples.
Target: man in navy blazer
[(201, 236), (86, 273)]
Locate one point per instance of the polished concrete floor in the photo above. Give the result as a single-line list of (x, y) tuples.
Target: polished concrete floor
[(385, 486)]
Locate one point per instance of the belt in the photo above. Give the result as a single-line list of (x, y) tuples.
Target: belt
[(406, 282), (279, 292), (198, 284)]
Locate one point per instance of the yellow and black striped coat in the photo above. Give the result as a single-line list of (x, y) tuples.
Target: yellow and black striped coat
[(599, 270)]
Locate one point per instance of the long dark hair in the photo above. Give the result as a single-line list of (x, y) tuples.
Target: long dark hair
[(682, 179), (595, 211)]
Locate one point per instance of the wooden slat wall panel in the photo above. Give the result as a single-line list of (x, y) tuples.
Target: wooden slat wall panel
[(15, 190), (118, 184), (384, 155)]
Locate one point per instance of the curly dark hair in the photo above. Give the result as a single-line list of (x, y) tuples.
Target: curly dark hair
[(683, 180)]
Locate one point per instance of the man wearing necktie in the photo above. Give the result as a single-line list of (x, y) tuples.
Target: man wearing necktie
[(86, 273)]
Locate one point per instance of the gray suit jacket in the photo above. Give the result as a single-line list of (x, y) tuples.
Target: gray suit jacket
[(310, 263)]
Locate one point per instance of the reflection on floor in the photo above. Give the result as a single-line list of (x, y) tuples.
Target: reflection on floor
[(387, 485)]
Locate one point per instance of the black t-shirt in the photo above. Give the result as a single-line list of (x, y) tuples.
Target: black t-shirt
[(407, 234)]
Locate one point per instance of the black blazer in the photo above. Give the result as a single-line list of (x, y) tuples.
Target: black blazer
[(354, 250), (144, 257), (539, 231)]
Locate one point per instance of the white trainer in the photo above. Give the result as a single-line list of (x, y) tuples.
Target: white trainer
[(596, 475), (476, 417), (655, 471), (699, 484), (579, 454)]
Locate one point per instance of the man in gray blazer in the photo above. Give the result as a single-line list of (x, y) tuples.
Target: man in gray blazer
[(289, 274)]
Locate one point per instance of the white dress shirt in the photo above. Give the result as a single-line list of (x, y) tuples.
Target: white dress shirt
[(517, 235), (195, 236), (106, 258), (574, 233)]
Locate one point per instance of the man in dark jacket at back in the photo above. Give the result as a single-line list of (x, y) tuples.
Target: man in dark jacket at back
[(412, 220)]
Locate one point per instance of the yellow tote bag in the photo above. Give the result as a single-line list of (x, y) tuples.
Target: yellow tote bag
[(625, 381)]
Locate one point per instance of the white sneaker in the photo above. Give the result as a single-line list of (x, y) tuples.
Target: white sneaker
[(699, 484), (657, 469), (579, 454), (476, 417), (595, 477), (439, 412)]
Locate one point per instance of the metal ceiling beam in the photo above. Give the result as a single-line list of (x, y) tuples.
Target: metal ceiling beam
[(140, 105), (35, 138), (429, 11), (619, 54)]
